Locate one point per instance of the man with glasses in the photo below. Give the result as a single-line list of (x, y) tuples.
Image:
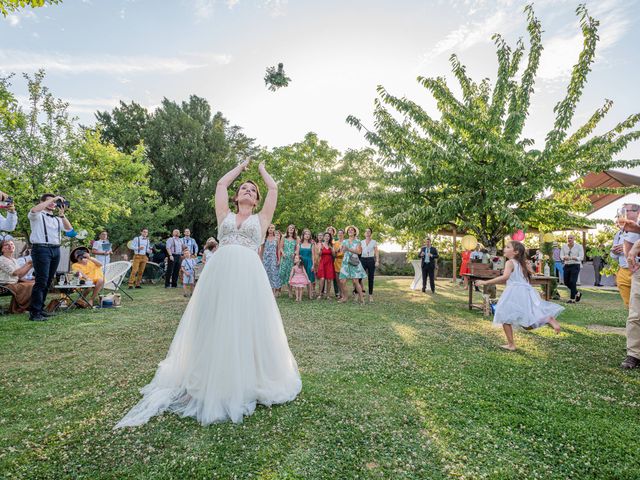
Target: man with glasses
[(628, 222), (619, 250)]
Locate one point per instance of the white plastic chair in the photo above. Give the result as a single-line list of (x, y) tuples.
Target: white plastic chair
[(114, 274)]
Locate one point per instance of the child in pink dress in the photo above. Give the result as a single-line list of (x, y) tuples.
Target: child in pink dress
[(298, 277)]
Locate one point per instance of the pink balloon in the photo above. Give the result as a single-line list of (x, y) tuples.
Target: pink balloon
[(518, 236)]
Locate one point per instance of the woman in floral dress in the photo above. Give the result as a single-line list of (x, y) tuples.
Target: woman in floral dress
[(269, 255), (350, 269), (288, 249)]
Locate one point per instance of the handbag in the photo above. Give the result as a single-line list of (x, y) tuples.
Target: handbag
[(354, 260)]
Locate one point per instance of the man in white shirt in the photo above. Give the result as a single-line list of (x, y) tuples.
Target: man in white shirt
[(101, 249), (8, 223), (190, 243), (141, 248), (572, 255), (174, 250), (45, 238)]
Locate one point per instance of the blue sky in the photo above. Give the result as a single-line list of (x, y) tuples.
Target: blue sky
[(97, 52)]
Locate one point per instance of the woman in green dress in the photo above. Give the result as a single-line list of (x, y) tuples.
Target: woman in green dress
[(350, 268), (306, 250), (288, 249)]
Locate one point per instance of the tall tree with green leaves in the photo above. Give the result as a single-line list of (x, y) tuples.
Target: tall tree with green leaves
[(318, 186), (124, 126), (189, 149), (472, 168)]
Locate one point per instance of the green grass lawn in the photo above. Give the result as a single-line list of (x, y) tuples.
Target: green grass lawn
[(413, 386)]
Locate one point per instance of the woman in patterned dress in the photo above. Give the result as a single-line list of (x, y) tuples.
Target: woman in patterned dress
[(288, 249), (351, 248), (269, 256), (337, 263)]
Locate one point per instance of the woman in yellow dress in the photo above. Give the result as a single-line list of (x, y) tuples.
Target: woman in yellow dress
[(90, 269), (337, 263)]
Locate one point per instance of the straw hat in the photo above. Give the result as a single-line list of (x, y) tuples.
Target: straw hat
[(332, 230), (346, 230)]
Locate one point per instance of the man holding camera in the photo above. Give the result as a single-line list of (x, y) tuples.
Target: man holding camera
[(8, 223), (45, 239)]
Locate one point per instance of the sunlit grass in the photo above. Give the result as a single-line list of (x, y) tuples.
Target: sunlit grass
[(413, 386)]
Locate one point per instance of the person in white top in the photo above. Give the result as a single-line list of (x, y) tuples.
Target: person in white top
[(370, 259), (45, 240), (141, 247), (8, 223), (101, 249), (572, 255)]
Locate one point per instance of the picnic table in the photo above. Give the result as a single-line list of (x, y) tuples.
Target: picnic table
[(488, 275)]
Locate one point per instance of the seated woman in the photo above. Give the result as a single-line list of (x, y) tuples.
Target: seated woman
[(90, 269), (10, 278)]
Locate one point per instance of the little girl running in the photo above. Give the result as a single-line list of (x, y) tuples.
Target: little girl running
[(520, 303), (298, 277)]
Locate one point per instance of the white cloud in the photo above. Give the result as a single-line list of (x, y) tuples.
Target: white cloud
[(561, 52), (472, 33), (13, 20), (23, 61), (232, 3)]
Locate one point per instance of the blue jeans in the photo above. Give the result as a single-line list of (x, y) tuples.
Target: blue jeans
[(45, 264), (559, 270)]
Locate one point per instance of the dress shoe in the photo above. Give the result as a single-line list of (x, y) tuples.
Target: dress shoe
[(424, 290), (38, 318), (630, 362), (48, 314), (138, 286)]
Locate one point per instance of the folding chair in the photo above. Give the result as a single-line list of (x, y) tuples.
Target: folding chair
[(114, 274)]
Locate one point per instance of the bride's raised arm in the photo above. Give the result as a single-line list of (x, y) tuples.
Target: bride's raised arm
[(222, 194), (270, 202)]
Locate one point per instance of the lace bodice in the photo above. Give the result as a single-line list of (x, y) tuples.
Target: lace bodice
[(248, 235)]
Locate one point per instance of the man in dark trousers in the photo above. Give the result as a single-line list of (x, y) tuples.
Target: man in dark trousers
[(429, 257)]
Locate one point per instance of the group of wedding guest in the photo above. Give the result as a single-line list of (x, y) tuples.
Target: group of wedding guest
[(335, 258)]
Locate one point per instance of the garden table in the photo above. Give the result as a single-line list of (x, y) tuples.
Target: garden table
[(73, 294), (535, 280)]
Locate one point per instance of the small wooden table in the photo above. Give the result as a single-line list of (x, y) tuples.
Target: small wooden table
[(535, 280)]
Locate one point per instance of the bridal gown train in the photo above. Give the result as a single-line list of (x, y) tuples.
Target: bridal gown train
[(230, 351)]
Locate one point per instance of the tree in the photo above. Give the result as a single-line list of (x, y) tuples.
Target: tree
[(318, 186), (47, 152), (473, 169), (124, 126), (9, 6), (189, 150)]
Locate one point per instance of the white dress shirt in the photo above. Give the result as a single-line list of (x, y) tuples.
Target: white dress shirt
[(618, 239), (98, 246), (141, 245), (174, 245), (191, 244), (368, 251), (9, 223), (45, 228), (576, 251)]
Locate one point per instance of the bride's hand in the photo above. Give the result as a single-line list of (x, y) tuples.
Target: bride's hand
[(245, 164), (261, 167)]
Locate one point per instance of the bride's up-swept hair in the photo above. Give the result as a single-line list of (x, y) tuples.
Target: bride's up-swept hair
[(521, 258), (235, 197)]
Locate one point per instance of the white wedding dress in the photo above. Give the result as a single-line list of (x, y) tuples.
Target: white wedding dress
[(230, 351)]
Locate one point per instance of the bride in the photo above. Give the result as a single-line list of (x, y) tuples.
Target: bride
[(230, 351)]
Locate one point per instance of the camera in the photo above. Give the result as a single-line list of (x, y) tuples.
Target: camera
[(63, 203), (7, 202)]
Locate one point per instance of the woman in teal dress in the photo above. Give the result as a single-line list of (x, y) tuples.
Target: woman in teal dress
[(351, 248), (306, 252), (288, 248)]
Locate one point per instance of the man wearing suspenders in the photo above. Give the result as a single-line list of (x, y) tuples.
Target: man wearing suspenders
[(141, 247), (174, 250), (190, 243), (45, 240)]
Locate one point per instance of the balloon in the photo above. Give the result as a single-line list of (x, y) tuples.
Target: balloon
[(469, 242), (518, 236), (548, 238)]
